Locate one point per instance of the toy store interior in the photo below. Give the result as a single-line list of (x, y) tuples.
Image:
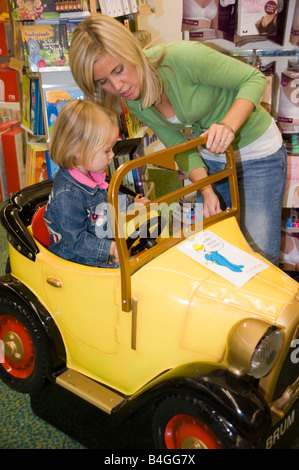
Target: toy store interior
[(35, 84)]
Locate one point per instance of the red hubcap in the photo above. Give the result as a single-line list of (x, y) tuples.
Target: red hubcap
[(19, 353), (185, 432)]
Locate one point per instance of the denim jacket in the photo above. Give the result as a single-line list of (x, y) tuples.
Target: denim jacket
[(79, 222)]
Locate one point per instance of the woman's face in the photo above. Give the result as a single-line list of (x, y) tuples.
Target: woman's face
[(116, 78)]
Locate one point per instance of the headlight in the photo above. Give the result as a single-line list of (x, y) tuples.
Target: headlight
[(253, 347), (266, 352)]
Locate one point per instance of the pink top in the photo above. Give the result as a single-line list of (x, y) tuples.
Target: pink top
[(94, 179)]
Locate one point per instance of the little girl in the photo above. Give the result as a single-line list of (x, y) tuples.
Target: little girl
[(77, 214)]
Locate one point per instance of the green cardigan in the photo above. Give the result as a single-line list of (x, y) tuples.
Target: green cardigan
[(202, 85)]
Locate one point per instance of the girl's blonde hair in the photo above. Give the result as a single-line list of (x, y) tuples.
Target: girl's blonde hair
[(81, 129), (99, 34)]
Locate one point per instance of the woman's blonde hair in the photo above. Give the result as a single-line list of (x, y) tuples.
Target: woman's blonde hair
[(99, 34), (81, 129)]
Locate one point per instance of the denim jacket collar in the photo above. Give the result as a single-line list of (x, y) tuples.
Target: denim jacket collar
[(87, 189)]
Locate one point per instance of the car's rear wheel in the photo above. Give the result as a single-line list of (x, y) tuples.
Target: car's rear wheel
[(183, 422), (24, 358)]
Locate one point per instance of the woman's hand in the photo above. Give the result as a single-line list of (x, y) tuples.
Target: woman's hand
[(219, 137), (211, 204)]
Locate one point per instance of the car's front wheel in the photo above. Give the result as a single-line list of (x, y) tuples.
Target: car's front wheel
[(24, 358), (184, 422)]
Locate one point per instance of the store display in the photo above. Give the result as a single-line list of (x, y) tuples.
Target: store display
[(257, 17)]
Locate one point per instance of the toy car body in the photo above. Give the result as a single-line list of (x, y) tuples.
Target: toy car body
[(217, 362)]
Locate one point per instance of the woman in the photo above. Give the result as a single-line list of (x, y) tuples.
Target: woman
[(188, 85)]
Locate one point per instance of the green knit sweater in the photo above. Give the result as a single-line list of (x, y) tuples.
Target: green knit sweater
[(202, 85)]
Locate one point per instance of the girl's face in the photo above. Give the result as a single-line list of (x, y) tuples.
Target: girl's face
[(102, 158), (116, 78)]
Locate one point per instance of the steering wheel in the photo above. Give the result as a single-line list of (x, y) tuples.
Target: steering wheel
[(146, 233)]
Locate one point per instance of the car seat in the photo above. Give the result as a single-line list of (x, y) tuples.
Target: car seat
[(39, 228)]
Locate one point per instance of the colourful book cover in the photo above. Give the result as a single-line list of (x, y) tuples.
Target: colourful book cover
[(34, 111), (52, 168), (28, 10), (55, 100), (45, 46), (26, 101)]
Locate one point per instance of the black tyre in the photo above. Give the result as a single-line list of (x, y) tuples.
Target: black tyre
[(182, 422), (24, 358)]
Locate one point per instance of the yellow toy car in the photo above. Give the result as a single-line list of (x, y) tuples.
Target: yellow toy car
[(195, 324)]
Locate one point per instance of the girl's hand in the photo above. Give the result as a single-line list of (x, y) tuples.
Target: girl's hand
[(141, 199), (113, 251)]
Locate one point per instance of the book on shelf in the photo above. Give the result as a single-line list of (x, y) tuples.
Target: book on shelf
[(103, 7), (36, 164), (131, 123), (137, 179), (133, 6), (126, 7), (111, 8), (57, 88), (3, 184), (13, 152), (118, 7), (35, 106), (52, 168), (123, 156), (70, 26), (257, 18), (32, 114), (54, 102), (141, 174), (45, 46), (26, 101)]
